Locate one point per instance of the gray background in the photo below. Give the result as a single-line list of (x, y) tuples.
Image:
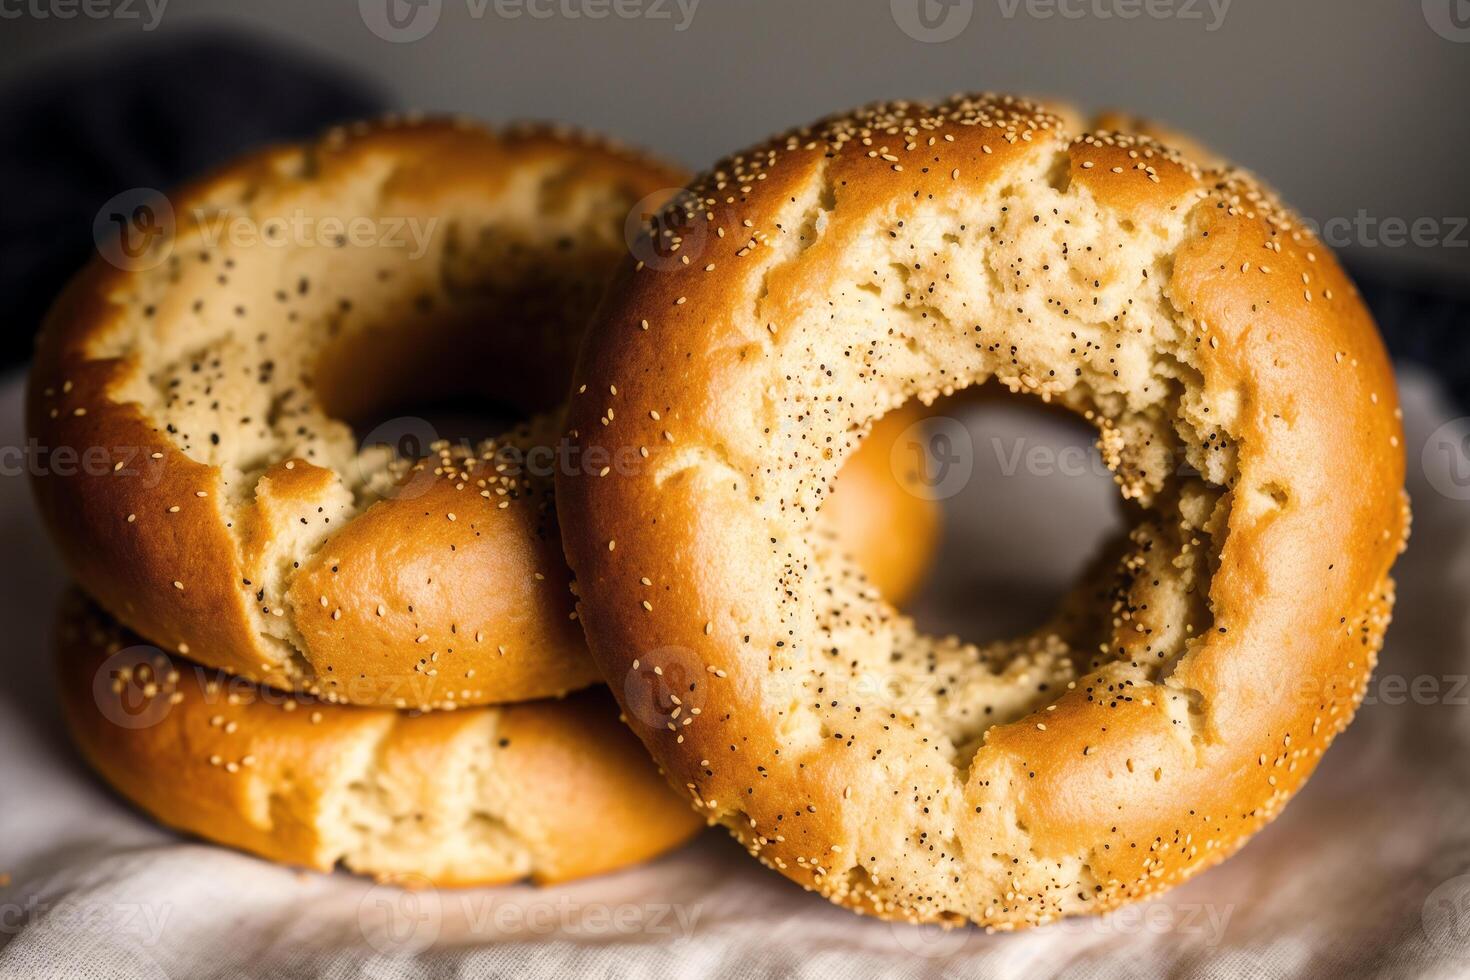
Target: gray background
[(1342, 104)]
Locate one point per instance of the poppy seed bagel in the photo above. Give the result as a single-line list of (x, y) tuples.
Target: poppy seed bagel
[(1188, 684)]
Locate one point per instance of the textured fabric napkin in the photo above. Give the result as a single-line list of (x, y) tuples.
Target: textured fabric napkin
[(1367, 873)]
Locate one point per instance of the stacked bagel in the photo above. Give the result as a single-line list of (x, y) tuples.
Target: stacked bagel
[(307, 643), (727, 524)]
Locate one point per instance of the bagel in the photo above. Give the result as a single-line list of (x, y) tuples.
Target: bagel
[(1186, 687), (229, 511), (549, 790)]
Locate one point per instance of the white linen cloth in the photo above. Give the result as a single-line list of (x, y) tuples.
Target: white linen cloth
[(1367, 873)]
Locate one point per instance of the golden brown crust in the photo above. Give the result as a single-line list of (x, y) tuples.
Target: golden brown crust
[(546, 790), (1242, 397), (225, 506)]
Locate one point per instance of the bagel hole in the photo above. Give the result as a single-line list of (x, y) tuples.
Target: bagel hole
[(468, 365), (1054, 567), (449, 371), (1038, 508), (410, 424)]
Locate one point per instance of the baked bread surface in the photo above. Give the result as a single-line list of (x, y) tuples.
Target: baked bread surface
[(1190, 682)]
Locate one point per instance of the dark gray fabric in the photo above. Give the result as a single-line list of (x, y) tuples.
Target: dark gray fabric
[(151, 112)]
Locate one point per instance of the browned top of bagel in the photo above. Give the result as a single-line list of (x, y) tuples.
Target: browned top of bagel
[(223, 509), (549, 790), (1242, 397)]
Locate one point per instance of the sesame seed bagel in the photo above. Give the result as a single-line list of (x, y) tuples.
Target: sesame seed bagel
[(231, 513), (1189, 683), (548, 790)]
